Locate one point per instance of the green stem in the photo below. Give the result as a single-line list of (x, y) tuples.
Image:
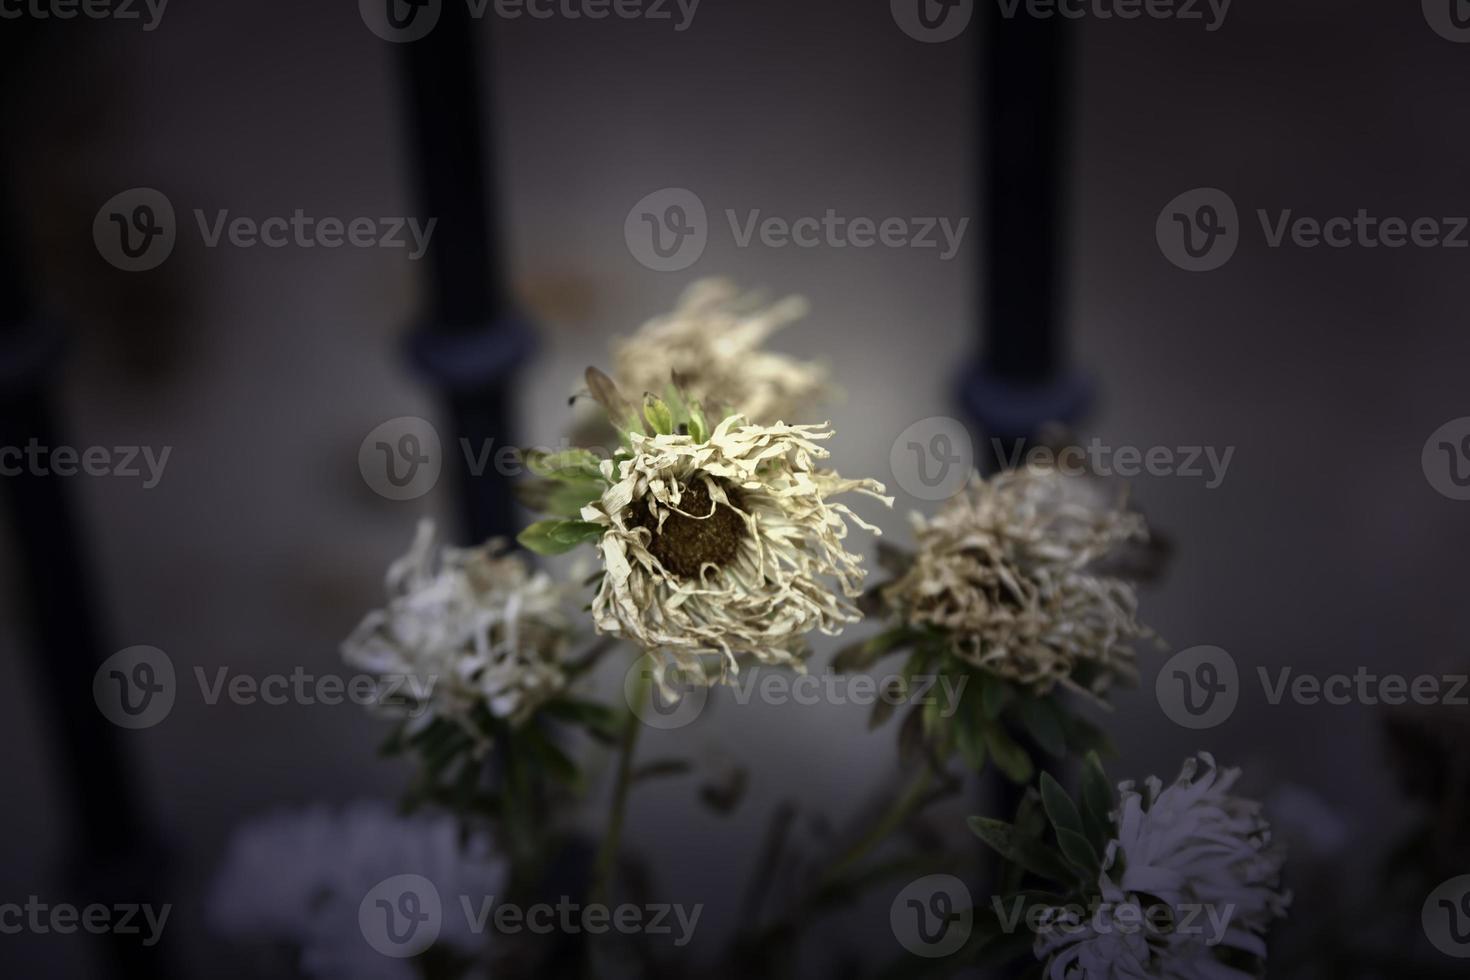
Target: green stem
[(607, 854), (903, 808)]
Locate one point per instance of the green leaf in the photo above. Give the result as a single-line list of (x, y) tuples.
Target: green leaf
[(996, 695), (970, 739), (1039, 719), (884, 707), (619, 411), (1009, 757), (1083, 736), (1031, 855), (1059, 806), (601, 721), (1097, 801), (554, 537), (660, 419), (567, 465), (865, 653), (1079, 854), (699, 429), (561, 498)]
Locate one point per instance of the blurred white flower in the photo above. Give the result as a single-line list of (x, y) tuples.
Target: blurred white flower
[(1192, 842), (728, 546), (299, 877), (476, 627), (1007, 570), (712, 342), (1203, 854), (1083, 945)]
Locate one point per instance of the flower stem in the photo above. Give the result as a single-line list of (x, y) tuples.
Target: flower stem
[(903, 807), (607, 854)]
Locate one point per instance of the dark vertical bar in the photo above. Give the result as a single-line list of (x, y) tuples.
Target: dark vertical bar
[(471, 341), (1021, 378), (114, 858)]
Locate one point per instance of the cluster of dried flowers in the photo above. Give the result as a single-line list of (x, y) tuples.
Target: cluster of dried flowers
[(722, 538)]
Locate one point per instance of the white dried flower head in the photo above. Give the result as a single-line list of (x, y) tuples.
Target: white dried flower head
[(1193, 842), (298, 878), (726, 547), (1007, 570), (1202, 854), (466, 628), (1082, 944), (713, 343)]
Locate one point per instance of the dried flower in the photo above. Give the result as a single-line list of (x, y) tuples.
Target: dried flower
[(1201, 853), (299, 877), (723, 544), (712, 344), (475, 628), (1007, 570)]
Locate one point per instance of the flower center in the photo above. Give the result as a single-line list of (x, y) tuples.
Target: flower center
[(686, 544)]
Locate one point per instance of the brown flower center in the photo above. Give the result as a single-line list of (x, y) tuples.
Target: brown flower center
[(685, 544)]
